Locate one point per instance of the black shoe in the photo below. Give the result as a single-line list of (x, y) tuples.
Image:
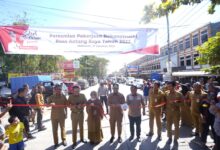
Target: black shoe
[(150, 134), (64, 143), (56, 146), (119, 140), (30, 136), (111, 140), (131, 138), (138, 139), (74, 146), (83, 141), (159, 138), (41, 129), (169, 141)]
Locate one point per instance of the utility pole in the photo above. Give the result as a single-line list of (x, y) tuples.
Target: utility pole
[(169, 68)]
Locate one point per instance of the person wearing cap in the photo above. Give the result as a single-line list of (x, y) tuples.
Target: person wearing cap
[(115, 101), (58, 114), (77, 102), (135, 101), (156, 98), (173, 100), (215, 110), (146, 89), (195, 97)]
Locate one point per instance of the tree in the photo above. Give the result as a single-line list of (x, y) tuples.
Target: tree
[(211, 8), (92, 66), (210, 54)]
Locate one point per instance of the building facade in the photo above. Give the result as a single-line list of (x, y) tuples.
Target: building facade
[(183, 54)]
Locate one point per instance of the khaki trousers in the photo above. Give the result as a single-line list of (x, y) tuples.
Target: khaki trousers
[(113, 120), (77, 119), (197, 122), (155, 113), (55, 123), (173, 117)]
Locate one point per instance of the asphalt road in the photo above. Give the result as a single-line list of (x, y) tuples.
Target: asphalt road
[(44, 139)]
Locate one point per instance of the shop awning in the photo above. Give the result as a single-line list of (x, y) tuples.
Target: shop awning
[(190, 73)]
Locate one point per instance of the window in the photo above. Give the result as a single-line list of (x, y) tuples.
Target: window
[(195, 40), (195, 61), (187, 43), (182, 63), (175, 48), (180, 45), (188, 61), (204, 36)]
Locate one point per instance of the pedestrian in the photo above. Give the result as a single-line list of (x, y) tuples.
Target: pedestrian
[(215, 110), (39, 97), (146, 89), (115, 101), (195, 97), (15, 133), (103, 94), (77, 102), (156, 101), (135, 101), (109, 83), (173, 103), (95, 115), (22, 112), (58, 114), (208, 118), (32, 102)]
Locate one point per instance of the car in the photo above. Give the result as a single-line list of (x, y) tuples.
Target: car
[(48, 85), (130, 80), (83, 83), (70, 85), (139, 83)]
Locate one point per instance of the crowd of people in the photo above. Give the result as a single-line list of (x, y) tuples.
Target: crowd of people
[(169, 100)]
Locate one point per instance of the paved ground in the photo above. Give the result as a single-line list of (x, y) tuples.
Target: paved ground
[(44, 139)]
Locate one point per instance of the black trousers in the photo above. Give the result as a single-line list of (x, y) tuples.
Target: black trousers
[(25, 121), (205, 131), (39, 118), (104, 100), (137, 121), (217, 144)]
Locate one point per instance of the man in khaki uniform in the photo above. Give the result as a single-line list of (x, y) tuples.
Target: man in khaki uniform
[(115, 100), (58, 114), (173, 104), (77, 102), (156, 98), (195, 97)]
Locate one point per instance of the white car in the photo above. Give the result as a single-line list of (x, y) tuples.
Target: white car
[(139, 83), (130, 80)]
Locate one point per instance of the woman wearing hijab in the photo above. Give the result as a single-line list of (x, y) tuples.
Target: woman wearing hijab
[(95, 115)]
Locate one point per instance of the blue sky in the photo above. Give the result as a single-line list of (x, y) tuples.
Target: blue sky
[(105, 13)]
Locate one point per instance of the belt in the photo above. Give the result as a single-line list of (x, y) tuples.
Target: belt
[(78, 112)]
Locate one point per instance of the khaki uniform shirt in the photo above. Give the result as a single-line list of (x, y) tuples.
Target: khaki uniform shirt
[(115, 101), (134, 104), (170, 98), (195, 99), (155, 98), (58, 112), (78, 102)]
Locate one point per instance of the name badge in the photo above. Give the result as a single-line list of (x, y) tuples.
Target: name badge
[(197, 100)]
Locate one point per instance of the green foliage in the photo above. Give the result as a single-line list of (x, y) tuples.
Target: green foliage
[(211, 8), (210, 53), (92, 66)]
